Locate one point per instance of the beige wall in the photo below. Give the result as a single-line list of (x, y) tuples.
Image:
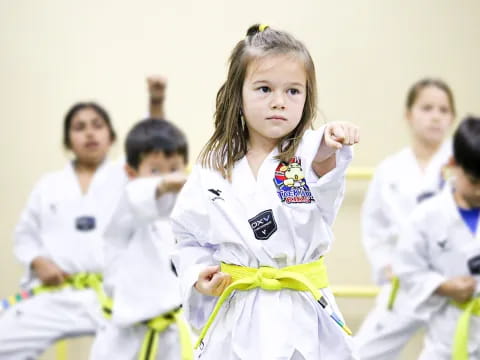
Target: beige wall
[(55, 52)]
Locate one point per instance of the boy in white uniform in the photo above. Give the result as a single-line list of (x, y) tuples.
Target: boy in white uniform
[(400, 183), (254, 219), (139, 278), (438, 260), (58, 239)]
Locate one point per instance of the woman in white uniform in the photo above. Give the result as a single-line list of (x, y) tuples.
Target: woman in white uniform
[(58, 239), (253, 221), (401, 182)]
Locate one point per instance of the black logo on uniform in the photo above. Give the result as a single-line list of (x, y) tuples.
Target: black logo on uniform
[(263, 225), (217, 193), (424, 196), (442, 244), (85, 223), (474, 265)]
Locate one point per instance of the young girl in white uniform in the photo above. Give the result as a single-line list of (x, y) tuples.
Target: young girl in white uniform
[(438, 257), (58, 238), (138, 243), (401, 182), (253, 221)]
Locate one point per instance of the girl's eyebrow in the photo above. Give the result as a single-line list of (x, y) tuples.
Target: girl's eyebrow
[(289, 84)]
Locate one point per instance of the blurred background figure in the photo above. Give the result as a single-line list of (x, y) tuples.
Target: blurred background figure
[(438, 256), (58, 239), (402, 181)]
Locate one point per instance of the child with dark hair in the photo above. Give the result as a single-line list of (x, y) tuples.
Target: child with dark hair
[(144, 306), (438, 257), (58, 239)]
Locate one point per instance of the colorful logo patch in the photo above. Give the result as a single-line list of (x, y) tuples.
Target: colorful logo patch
[(290, 182)]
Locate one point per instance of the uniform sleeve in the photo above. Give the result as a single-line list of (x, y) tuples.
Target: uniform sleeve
[(377, 236), (190, 223), (27, 236), (329, 189), (141, 194), (413, 267)]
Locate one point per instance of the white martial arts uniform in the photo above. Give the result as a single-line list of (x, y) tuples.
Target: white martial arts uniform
[(64, 225), (138, 275), (397, 187), (436, 245), (244, 222)]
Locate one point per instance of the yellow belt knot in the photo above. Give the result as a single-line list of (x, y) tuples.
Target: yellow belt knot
[(267, 278)]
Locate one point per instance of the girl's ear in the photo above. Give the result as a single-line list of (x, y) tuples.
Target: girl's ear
[(131, 172)]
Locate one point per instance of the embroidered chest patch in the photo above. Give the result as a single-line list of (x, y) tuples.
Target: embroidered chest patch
[(263, 225), (290, 182), (474, 265), (85, 223)]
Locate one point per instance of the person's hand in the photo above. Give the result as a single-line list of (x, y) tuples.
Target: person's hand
[(211, 281), (48, 272), (339, 133), (459, 288), (157, 85), (172, 182)]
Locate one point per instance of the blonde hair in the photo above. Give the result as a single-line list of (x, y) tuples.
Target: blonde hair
[(228, 143)]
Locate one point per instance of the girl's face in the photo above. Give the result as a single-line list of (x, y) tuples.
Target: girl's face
[(89, 136), (430, 116), (273, 95)]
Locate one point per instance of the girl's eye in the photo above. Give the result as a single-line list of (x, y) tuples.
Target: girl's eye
[(444, 110), (293, 91), (427, 107), (78, 127), (155, 171), (264, 89), (98, 124)]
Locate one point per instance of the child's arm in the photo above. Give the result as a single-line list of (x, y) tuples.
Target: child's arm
[(156, 88), (28, 247), (320, 156), (460, 288), (412, 264), (194, 255), (154, 197), (335, 136)]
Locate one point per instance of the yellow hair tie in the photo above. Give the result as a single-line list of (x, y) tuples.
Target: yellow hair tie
[(262, 27)]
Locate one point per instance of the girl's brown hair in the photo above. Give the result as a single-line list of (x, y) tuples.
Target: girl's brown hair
[(228, 143), (416, 88)]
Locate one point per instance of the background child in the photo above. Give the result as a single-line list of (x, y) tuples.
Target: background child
[(438, 257), (138, 275), (399, 184), (58, 238), (260, 204)]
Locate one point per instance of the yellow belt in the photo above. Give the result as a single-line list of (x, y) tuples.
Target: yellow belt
[(393, 292), (460, 343), (160, 323), (155, 326), (79, 281), (304, 277)]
